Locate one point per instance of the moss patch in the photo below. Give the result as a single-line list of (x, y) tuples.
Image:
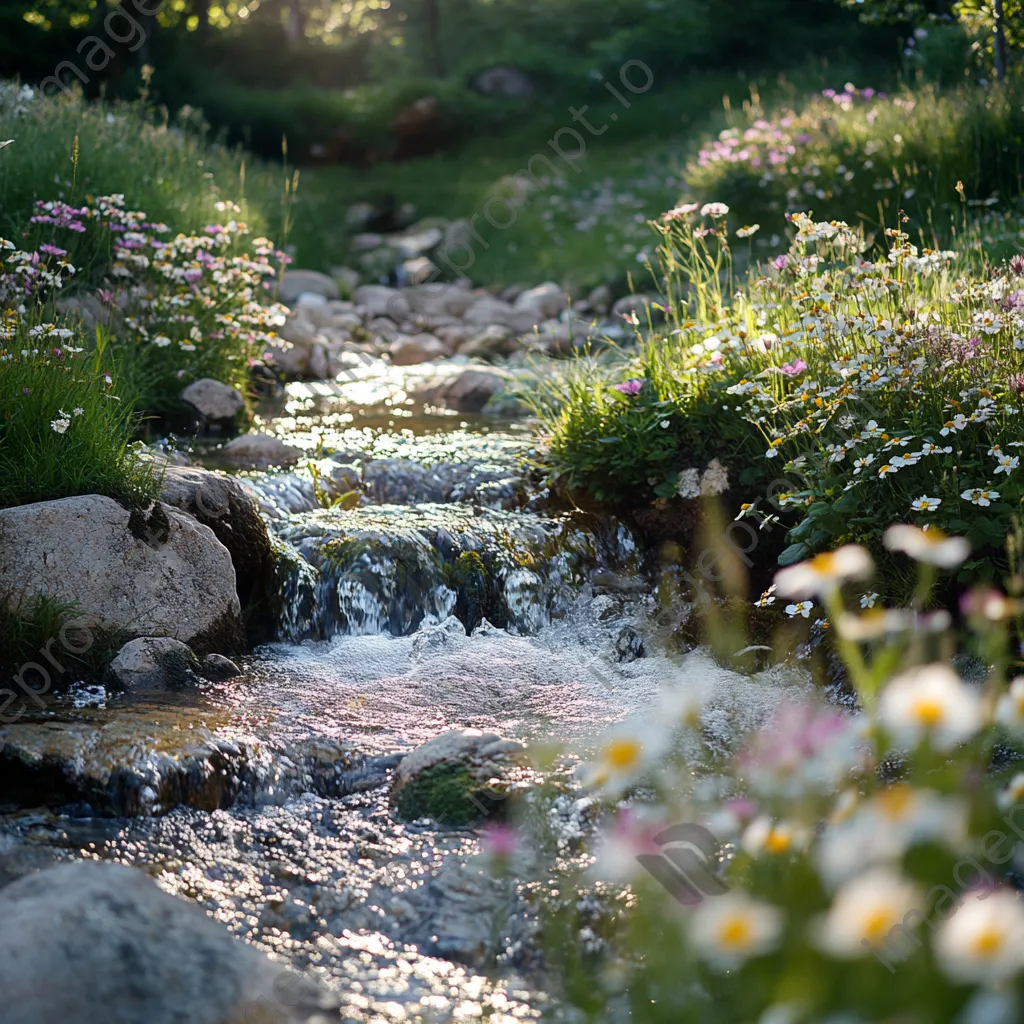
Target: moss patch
[(450, 795), (476, 601)]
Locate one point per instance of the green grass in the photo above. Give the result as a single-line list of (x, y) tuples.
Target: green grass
[(92, 454), (70, 149), (28, 630), (867, 158)]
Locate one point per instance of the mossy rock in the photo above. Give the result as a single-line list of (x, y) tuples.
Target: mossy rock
[(462, 777), (450, 795)]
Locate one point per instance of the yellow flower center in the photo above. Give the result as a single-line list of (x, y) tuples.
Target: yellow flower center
[(823, 563), (929, 711), (988, 942), (877, 925), (735, 933), (623, 754), (895, 801), (778, 841)]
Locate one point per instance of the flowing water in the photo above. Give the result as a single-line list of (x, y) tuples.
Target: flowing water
[(451, 595)]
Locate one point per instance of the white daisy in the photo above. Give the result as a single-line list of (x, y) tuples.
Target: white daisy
[(925, 504), (980, 495), (864, 913), (983, 942), (1010, 709), (932, 546), (930, 702), (730, 929), (823, 573)]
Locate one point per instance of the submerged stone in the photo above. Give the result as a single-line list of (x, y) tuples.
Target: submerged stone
[(394, 570)]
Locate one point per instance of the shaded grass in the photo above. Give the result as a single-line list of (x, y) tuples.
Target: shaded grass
[(640, 155), (42, 631), (69, 149)]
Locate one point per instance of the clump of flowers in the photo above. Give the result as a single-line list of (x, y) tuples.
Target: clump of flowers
[(184, 306), (853, 149), (835, 863), (854, 392)]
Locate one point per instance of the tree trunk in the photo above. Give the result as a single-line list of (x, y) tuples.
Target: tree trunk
[(201, 10), (1000, 40), (295, 24), (434, 36)]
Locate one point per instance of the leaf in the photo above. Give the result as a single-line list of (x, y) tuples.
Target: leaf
[(610, 440), (802, 530), (793, 554), (847, 504)]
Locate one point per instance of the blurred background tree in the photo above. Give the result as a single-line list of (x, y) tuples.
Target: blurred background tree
[(334, 75), (995, 28)]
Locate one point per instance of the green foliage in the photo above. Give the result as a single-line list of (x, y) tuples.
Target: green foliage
[(29, 629), (892, 390), (172, 170)]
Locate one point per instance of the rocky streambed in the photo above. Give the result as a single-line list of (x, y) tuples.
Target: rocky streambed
[(441, 591)]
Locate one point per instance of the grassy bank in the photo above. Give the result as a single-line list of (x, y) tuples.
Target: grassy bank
[(843, 393), (113, 302)]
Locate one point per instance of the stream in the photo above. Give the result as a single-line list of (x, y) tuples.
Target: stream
[(264, 799)]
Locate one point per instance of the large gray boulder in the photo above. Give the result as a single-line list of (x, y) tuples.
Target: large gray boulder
[(142, 574), (220, 502), (94, 943)]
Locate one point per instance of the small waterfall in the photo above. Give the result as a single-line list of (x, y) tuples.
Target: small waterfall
[(396, 569)]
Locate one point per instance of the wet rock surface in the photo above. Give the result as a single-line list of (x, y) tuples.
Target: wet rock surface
[(462, 777), (259, 451), (222, 503), (142, 758), (131, 954), (154, 663)]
